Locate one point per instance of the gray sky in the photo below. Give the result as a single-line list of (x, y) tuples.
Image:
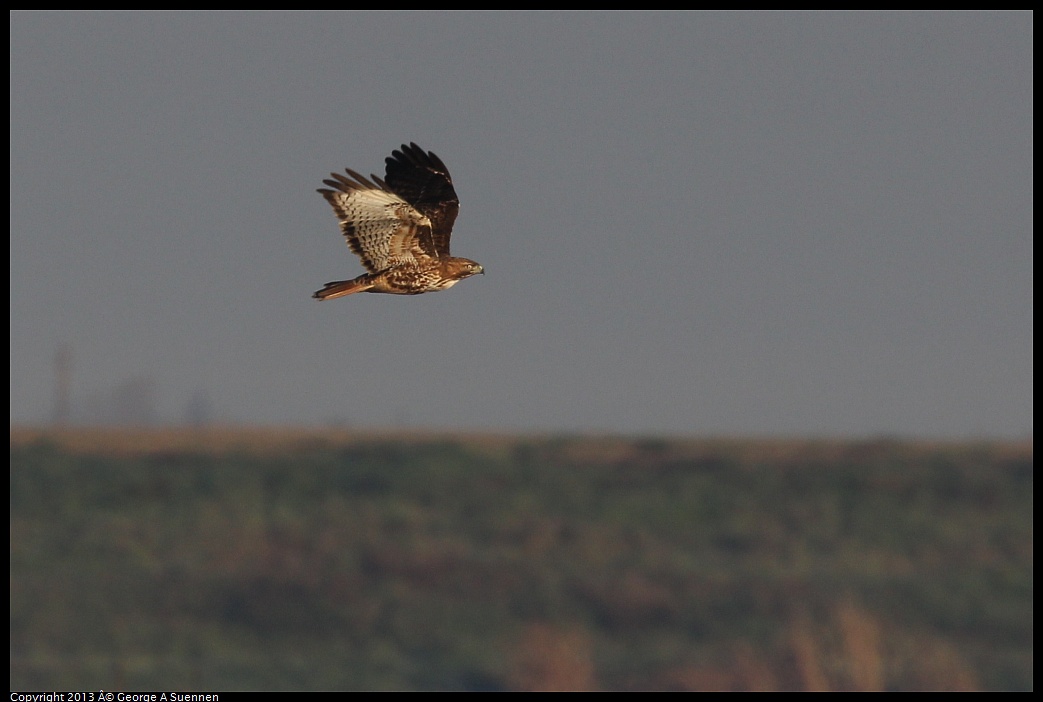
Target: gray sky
[(691, 223)]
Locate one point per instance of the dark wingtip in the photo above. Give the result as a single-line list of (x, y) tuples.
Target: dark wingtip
[(415, 154)]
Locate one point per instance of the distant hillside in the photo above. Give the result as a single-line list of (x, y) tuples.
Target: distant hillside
[(296, 559)]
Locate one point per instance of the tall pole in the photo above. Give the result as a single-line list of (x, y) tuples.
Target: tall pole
[(62, 381)]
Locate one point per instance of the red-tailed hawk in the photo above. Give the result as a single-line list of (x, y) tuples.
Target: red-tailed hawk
[(399, 226)]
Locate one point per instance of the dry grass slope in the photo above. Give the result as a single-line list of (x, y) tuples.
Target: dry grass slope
[(296, 559)]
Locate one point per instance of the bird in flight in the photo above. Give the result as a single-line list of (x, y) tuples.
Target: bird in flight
[(399, 226)]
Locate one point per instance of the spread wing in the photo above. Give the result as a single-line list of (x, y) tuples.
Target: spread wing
[(422, 180), (381, 227)]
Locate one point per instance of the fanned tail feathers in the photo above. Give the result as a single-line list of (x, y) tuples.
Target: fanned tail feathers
[(340, 288)]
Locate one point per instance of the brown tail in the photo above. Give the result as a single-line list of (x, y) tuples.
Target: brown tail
[(340, 288)]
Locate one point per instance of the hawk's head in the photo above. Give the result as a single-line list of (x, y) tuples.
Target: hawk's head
[(460, 268)]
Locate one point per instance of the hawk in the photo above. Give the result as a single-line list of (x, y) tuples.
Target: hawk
[(399, 226)]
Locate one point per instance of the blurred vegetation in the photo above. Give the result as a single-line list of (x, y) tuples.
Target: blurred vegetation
[(396, 563)]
